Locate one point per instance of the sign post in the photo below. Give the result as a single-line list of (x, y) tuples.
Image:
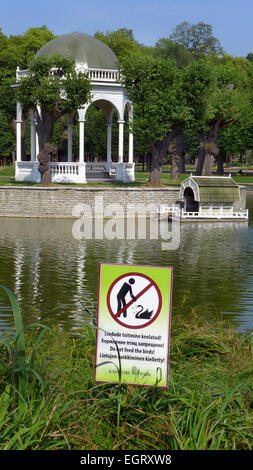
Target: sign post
[(133, 324)]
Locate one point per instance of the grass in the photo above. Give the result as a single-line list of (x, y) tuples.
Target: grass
[(7, 174), (207, 406), (7, 170)]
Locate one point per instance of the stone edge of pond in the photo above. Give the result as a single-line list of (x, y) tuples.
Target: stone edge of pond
[(90, 188)]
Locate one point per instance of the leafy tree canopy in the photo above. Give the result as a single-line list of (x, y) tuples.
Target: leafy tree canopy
[(52, 89), (168, 49), (54, 85), (167, 100), (121, 42), (18, 51), (197, 38), (250, 56)]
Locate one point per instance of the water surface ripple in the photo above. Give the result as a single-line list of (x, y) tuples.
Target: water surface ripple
[(46, 267)]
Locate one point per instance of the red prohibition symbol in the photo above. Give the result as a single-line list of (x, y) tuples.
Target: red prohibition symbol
[(134, 300)]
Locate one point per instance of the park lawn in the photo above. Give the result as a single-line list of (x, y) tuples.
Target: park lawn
[(7, 174), (7, 170)]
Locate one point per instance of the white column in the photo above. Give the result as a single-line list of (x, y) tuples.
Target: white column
[(131, 138), (121, 140), (37, 137), (70, 124), (109, 142), (18, 132), (81, 140), (37, 146), (33, 137), (131, 148)]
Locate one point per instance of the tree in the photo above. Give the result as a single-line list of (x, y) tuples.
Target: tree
[(121, 42), (167, 100), (228, 102), (168, 49), (197, 38), (6, 137), (16, 51), (250, 56), (52, 89)]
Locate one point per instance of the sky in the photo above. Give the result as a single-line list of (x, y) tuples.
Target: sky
[(150, 20)]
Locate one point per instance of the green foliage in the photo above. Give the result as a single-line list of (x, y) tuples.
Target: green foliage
[(182, 83), (250, 56), (197, 38), (61, 90), (18, 51), (121, 42), (230, 97), (207, 406), (168, 49), (6, 135), (95, 133), (15, 51), (21, 368), (165, 97)]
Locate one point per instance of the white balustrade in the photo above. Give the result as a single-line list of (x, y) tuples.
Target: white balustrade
[(96, 75), (103, 75), (166, 211)]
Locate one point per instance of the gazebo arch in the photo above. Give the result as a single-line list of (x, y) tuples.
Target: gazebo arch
[(96, 59)]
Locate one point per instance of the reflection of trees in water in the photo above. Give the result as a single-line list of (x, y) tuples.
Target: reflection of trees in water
[(46, 267)]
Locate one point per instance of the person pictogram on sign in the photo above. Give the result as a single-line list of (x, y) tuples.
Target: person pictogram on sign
[(121, 296)]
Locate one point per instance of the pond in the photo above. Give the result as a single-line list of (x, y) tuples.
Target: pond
[(46, 267)]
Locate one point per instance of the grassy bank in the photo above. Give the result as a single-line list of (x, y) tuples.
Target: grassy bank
[(208, 404), (141, 178)]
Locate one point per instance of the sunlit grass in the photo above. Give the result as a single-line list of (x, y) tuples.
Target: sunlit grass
[(207, 406)]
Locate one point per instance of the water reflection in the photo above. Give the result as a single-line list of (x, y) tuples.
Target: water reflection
[(46, 267)]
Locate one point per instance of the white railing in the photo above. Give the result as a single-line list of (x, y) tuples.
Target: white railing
[(64, 168), (103, 75), (164, 210), (68, 172), (242, 214), (95, 75)]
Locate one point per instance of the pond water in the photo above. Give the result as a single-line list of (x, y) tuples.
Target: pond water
[(46, 267)]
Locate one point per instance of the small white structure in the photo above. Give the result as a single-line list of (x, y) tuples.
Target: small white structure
[(98, 60), (208, 198)]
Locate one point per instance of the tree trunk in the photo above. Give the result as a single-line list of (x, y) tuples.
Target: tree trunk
[(44, 158), (208, 164), (159, 157), (200, 162), (220, 169), (177, 157), (156, 166), (44, 127), (208, 149)]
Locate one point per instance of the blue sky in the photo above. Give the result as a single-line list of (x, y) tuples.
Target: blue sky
[(232, 20)]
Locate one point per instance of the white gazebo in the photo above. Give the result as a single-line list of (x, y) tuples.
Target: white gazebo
[(95, 58)]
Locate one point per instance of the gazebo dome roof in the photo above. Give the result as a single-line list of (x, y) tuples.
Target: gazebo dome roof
[(84, 49)]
